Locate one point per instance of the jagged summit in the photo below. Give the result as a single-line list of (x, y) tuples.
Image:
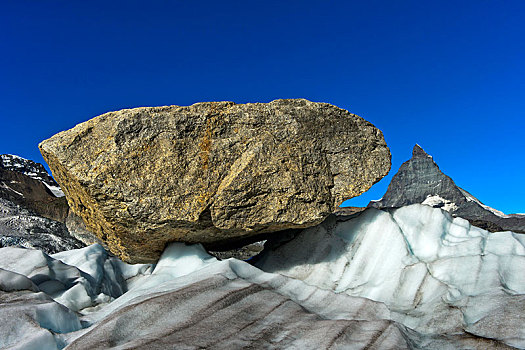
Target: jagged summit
[(419, 180), (418, 151)]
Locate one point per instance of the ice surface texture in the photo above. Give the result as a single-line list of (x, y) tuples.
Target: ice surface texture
[(437, 274), (188, 300), (407, 278)]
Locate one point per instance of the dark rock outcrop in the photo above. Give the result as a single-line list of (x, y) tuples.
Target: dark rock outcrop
[(20, 227), (245, 252), (419, 180), (212, 172), (31, 214), (77, 229), (348, 210)]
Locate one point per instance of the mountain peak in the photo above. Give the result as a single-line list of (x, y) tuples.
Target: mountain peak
[(418, 151), (419, 180)]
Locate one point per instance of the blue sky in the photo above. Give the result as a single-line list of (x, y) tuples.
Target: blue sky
[(449, 75)]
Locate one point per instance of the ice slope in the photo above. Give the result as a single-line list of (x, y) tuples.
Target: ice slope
[(189, 300), (78, 279), (437, 274), (407, 278), (230, 305), (39, 294)]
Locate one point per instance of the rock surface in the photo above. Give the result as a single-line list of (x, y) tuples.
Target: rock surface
[(243, 253), (212, 172), (78, 230), (419, 180), (437, 274)]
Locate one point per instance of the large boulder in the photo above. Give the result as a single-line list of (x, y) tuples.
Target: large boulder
[(212, 172)]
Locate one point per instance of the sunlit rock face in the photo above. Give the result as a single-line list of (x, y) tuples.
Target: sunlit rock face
[(437, 274), (213, 172)]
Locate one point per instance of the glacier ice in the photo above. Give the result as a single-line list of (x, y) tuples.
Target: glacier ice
[(77, 279), (30, 319), (190, 299), (412, 277), (437, 274), (230, 304)]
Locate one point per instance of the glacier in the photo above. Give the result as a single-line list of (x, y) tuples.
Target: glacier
[(407, 278), (188, 298), (437, 274)]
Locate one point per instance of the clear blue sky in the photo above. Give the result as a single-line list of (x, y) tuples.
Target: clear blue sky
[(449, 75)]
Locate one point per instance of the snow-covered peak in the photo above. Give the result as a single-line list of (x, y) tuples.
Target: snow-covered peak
[(8, 158), (32, 169)]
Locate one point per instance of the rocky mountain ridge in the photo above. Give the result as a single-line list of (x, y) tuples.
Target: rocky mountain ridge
[(32, 194), (419, 180), (32, 169), (31, 214)]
